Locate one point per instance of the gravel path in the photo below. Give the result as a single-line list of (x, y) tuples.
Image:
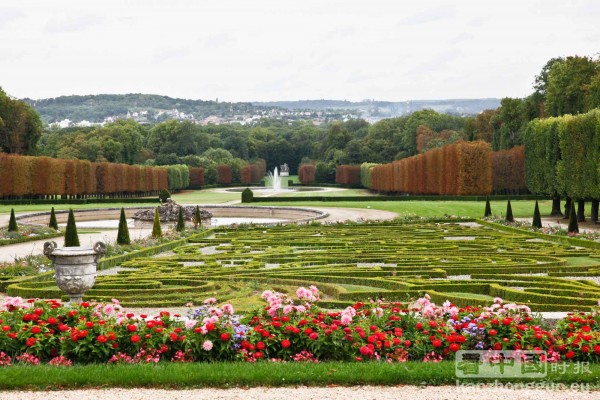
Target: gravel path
[(304, 393)]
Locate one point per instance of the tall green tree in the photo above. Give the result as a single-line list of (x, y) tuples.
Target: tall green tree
[(567, 85), (20, 126)]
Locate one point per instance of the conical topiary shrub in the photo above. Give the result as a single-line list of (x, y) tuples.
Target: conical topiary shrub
[(156, 230), (12, 222), (123, 234), (537, 218), (509, 214), (573, 225), (180, 227), (53, 223), (71, 238), (197, 218), (488, 208)]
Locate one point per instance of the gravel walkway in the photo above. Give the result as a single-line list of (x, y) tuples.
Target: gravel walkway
[(304, 393)]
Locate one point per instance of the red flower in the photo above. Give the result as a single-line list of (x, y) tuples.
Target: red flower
[(225, 336), (89, 324), (260, 345), (135, 339), (314, 336), (51, 320), (131, 328), (507, 321), (286, 343), (570, 354), (419, 326), (85, 304), (366, 350), (173, 336), (258, 354), (35, 330), (492, 332), (30, 342), (38, 311), (101, 339), (210, 327), (407, 343), (454, 347), (5, 328), (437, 343)]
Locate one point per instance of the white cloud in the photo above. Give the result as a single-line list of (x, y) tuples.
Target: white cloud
[(268, 50)]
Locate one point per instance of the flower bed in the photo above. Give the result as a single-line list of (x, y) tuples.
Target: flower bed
[(35, 331), (27, 233)]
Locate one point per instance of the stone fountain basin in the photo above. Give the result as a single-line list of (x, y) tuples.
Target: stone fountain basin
[(281, 214)]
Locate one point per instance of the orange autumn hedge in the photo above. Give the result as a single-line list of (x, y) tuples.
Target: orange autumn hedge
[(463, 168), (26, 176)]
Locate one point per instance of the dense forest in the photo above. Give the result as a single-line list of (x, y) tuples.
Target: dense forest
[(568, 85)]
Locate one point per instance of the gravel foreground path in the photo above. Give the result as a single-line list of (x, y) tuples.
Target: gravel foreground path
[(305, 393)]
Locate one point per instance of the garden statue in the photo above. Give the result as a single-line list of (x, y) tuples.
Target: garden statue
[(75, 267)]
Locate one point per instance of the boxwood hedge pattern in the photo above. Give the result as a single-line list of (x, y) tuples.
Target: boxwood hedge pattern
[(459, 262)]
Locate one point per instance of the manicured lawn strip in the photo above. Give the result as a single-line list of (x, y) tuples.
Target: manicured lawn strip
[(470, 209), (225, 375)]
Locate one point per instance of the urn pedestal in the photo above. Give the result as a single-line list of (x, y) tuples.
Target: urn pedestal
[(75, 267)]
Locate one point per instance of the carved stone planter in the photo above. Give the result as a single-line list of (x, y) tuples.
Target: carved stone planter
[(75, 267)]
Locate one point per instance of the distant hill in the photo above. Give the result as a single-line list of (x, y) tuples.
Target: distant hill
[(373, 109), (154, 108), (95, 108)]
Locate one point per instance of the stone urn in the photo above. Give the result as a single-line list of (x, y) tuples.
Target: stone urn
[(75, 267)]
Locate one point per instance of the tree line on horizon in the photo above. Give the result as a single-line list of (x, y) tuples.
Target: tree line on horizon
[(569, 85)]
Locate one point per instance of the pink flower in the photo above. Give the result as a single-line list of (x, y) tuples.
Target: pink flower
[(190, 323), (210, 300), (287, 309), (497, 300), (207, 345), (108, 309), (228, 309)]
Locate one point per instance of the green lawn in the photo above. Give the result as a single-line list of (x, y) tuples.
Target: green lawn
[(237, 374), (471, 209)]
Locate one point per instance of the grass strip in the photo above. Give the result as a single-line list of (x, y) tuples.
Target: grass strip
[(238, 374)]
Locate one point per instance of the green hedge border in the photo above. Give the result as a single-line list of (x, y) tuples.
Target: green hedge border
[(572, 241), (395, 198)]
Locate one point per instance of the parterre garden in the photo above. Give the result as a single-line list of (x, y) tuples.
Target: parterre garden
[(465, 262)]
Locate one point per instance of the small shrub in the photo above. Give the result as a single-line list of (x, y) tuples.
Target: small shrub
[(197, 218), (53, 223), (488, 208), (247, 196), (180, 227), (164, 195), (573, 225), (537, 218), (12, 223), (123, 234), (71, 237), (156, 229), (509, 213)]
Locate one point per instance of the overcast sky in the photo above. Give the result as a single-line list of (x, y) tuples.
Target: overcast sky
[(246, 50)]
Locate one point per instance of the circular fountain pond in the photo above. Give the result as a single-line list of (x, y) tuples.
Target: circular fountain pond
[(108, 218)]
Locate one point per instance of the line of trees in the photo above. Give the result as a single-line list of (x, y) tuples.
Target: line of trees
[(562, 157), (463, 168), (347, 174), (45, 177)]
